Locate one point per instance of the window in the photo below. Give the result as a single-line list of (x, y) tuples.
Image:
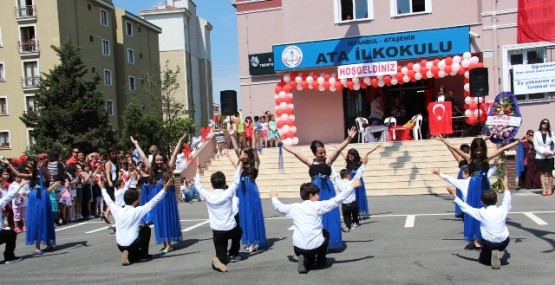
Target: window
[(1, 43), (353, 10), (104, 18), (2, 72), (105, 47), (3, 106), (107, 77), (128, 28), (28, 42), (130, 56), (30, 74), (30, 137), (527, 56), (132, 83), (110, 107), (408, 7), (5, 139), (30, 104)]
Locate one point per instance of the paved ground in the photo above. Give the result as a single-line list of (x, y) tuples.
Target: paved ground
[(408, 240)]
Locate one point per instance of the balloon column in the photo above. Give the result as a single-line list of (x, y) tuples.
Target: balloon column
[(475, 107)]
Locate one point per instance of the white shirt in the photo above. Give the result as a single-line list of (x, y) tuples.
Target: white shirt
[(220, 204), (7, 197), (307, 218), (344, 184), (492, 219), (118, 194), (541, 146), (462, 184), (13, 187), (129, 218)]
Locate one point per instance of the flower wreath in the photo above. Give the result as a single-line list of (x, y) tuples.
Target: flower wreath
[(504, 119)]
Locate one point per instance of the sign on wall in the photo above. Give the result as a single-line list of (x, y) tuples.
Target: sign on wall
[(375, 48), (366, 69), (534, 78), (261, 63)]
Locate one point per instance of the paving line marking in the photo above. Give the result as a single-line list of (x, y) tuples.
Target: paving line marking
[(196, 226), (97, 230), (409, 223), (535, 218), (291, 228), (69, 227)]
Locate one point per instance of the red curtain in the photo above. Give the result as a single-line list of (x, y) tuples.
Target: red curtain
[(536, 21)]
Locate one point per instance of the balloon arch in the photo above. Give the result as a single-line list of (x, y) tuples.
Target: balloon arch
[(423, 69)]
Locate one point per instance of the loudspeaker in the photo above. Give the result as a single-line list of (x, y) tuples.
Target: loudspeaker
[(228, 101), (478, 82)]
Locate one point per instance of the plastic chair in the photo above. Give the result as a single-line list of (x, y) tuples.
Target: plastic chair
[(417, 129), (392, 123), (359, 122)]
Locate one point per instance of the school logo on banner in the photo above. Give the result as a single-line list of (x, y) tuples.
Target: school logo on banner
[(292, 56)]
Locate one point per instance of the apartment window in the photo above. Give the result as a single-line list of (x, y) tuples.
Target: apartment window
[(3, 106), (130, 56), (107, 77), (408, 7), (104, 18), (128, 28), (527, 56), (353, 10), (30, 74), (105, 47), (1, 43), (28, 42), (110, 107), (30, 104), (132, 83), (2, 72), (5, 139), (30, 137)]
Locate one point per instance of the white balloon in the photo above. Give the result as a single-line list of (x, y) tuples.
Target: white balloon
[(298, 79), (404, 70), (480, 99), (366, 80), (355, 80), (295, 140), (417, 76), (416, 67), (284, 117), (282, 94), (429, 74), (475, 100), (310, 74), (333, 75), (287, 78), (356, 86), (394, 81), (321, 88), (332, 81), (276, 107), (467, 55), (441, 73), (474, 59), (380, 76), (309, 80), (381, 83), (456, 59), (466, 74), (429, 64), (468, 113), (453, 72), (465, 63), (343, 82), (406, 78), (441, 64), (332, 88), (468, 100), (299, 87), (290, 95), (287, 141), (283, 105), (456, 66), (285, 128), (477, 112), (320, 80), (290, 106), (310, 86), (293, 129), (466, 87)]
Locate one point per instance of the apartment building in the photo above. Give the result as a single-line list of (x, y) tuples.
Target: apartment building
[(115, 44), (185, 43)]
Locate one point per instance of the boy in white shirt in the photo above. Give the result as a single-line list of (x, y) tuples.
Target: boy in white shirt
[(220, 204), (7, 235), (310, 239), (495, 235), (461, 184), (349, 207), (132, 239)]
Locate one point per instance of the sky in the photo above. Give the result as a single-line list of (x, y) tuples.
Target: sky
[(222, 17)]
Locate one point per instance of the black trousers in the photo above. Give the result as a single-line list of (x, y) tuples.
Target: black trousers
[(350, 213), (488, 246), (8, 237), (139, 248), (317, 255), (221, 239)]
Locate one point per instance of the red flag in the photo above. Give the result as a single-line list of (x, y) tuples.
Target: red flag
[(535, 21), (440, 118)]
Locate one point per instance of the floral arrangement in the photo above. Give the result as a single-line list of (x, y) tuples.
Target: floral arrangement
[(500, 125)]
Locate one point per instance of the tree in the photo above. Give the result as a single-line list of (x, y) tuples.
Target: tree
[(69, 112), (142, 125)]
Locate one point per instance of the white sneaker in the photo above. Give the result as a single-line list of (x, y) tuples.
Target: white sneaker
[(495, 262)]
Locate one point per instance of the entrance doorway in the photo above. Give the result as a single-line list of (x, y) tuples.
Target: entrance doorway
[(355, 103)]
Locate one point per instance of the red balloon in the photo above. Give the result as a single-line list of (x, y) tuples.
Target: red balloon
[(423, 70), (288, 112), (472, 120), (436, 61), (287, 88), (466, 106), (479, 64), (399, 77), (472, 106), (435, 70), (293, 75), (283, 136), (326, 85), (387, 79), (278, 100), (466, 80), (315, 76), (411, 73), (412, 79), (280, 123), (374, 81), (461, 71), (278, 89), (338, 86), (483, 117), (472, 66), (290, 134), (448, 60), (315, 84), (399, 68), (362, 84), (287, 99), (448, 69), (327, 77), (293, 84), (466, 93), (423, 63), (304, 85), (410, 65), (350, 84), (290, 122), (304, 76), (280, 112)]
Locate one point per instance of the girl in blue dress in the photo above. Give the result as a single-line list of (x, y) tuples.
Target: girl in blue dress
[(251, 215), (167, 227), (319, 170), (478, 165)]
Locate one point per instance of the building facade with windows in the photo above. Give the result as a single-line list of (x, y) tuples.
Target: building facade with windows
[(185, 44), (27, 30), (300, 38)]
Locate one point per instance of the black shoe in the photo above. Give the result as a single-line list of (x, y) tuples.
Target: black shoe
[(301, 266), (13, 260), (235, 258)]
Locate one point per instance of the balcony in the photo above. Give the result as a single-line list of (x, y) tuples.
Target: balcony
[(30, 82), (29, 48), (26, 13)]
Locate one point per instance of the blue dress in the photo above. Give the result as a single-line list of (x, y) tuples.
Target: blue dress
[(167, 227), (458, 212), (332, 220), (146, 195), (251, 216), (360, 193), (479, 182), (40, 221)]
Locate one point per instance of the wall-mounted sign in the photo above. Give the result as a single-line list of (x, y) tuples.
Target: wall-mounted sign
[(534, 78), (261, 63), (375, 48), (366, 69)]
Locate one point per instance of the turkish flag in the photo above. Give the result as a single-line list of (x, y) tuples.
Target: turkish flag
[(440, 118), (535, 21)]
